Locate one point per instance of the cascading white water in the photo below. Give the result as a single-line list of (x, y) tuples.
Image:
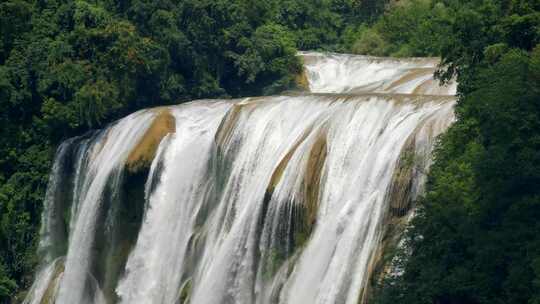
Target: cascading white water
[(278, 199), (107, 155), (341, 73), (169, 222)]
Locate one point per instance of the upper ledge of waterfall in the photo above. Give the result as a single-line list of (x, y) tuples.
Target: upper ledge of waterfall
[(357, 74), (364, 96)]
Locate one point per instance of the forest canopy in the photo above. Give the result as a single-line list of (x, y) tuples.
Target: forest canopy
[(476, 235)]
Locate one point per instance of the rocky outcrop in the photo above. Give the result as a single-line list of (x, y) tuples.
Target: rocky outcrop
[(143, 153)]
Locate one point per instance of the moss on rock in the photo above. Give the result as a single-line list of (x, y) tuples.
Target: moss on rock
[(301, 80), (185, 292)]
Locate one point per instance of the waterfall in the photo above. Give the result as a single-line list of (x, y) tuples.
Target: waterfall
[(340, 73), (279, 199)]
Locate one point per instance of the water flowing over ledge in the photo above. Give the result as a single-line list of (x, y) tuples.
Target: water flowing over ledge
[(281, 199), (343, 73)]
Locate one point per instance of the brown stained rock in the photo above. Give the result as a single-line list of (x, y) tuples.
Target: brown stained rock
[(278, 172), (400, 205), (411, 75), (430, 87), (280, 169), (423, 87), (184, 296), (402, 181), (304, 206), (143, 153), (50, 292), (309, 201), (226, 127), (312, 178), (380, 260), (301, 80), (114, 262)]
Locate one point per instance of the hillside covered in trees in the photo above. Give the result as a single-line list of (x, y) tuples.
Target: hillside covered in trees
[(69, 66), (476, 235)]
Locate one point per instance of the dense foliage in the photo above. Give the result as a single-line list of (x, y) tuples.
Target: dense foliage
[(68, 66), (476, 238)]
